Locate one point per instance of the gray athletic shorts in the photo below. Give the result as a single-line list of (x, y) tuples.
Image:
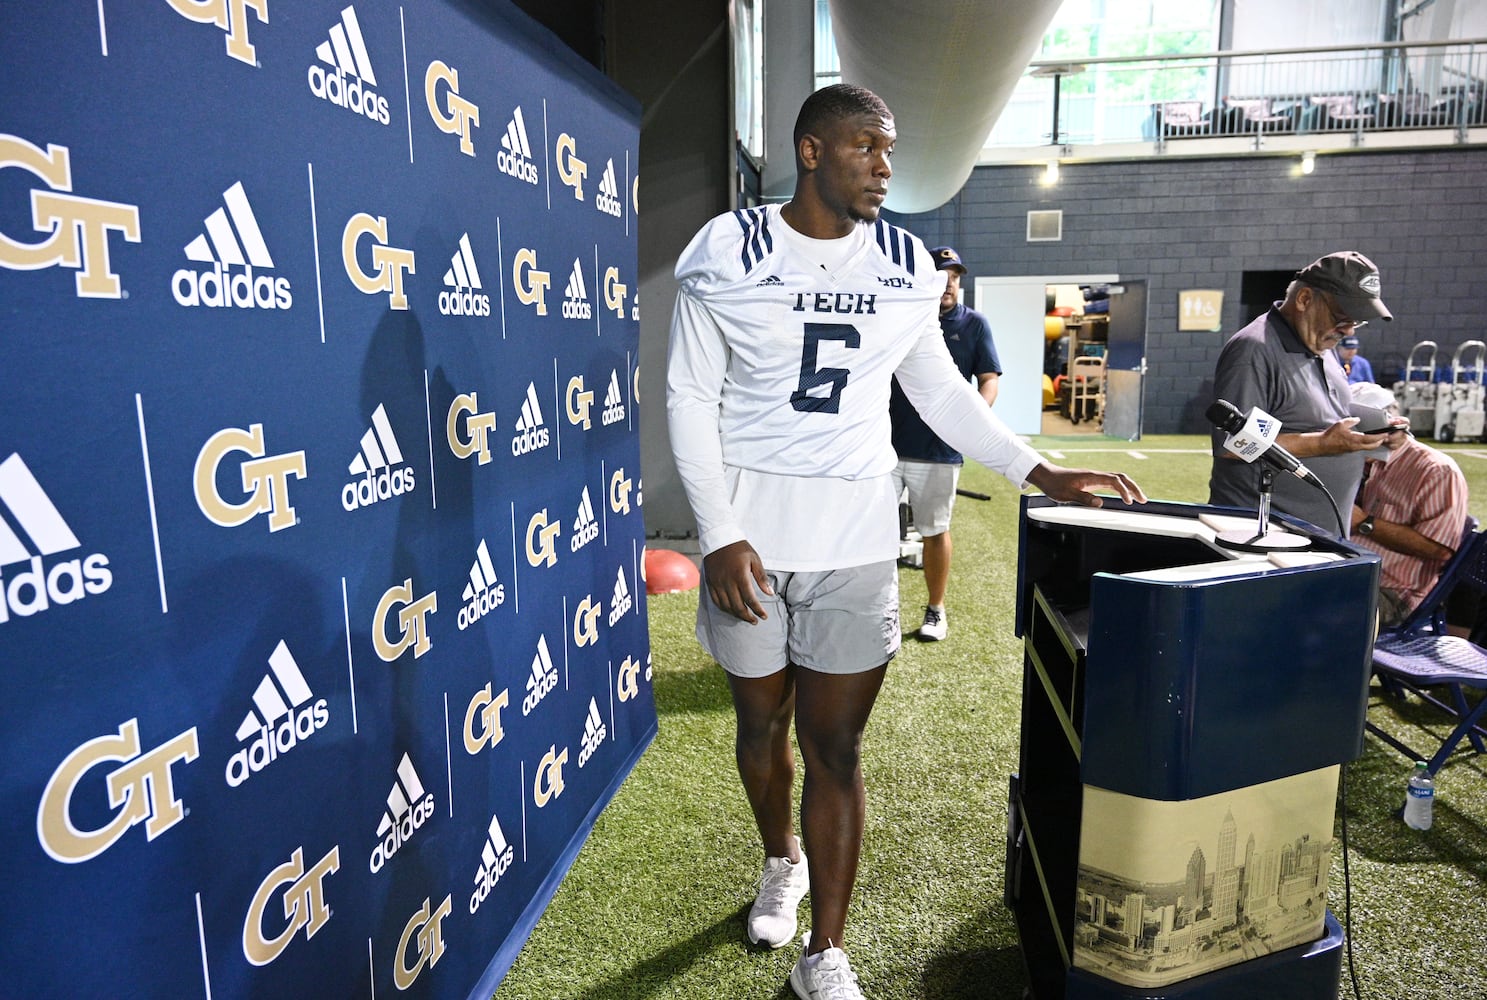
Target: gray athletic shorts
[(931, 487), (841, 621)]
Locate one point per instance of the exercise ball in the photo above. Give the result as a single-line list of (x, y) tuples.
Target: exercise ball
[(1049, 396), (667, 571), (1053, 327)]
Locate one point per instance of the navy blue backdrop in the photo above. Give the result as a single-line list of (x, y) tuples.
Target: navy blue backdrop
[(321, 598)]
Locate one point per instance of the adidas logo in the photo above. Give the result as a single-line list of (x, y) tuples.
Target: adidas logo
[(379, 453), (594, 733), (496, 856), (585, 527), (463, 277), (614, 400), (232, 239), (576, 295), (483, 594), (408, 807), (531, 432), (608, 198), (619, 605), (33, 590), (773, 281), (515, 155), (544, 678), (288, 700), (349, 81)]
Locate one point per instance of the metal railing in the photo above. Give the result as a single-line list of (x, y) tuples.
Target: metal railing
[(1343, 90)]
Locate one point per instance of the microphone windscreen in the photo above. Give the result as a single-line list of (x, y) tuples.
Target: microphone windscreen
[(1223, 415)]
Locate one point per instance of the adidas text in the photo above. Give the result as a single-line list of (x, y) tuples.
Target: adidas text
[(519, 167), (583, 536), (464, 303), (349, 95), (593, 738), (607, 204), (483, 604), (486, 878), (538, 690), (31, 591), (401, 832), (219, 288), (270, 743), (378, 486), (619, 609), (529, 440), (577, 309)]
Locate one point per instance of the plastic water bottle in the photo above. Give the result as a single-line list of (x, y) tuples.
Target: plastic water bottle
[(1419, 799)]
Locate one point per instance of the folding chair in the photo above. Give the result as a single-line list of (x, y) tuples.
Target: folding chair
[(1419, 654)]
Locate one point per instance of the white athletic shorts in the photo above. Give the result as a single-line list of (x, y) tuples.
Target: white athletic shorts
[(841, 621), (931, 489)]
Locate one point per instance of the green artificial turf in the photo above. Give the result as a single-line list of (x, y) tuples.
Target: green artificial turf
[(654, 905)]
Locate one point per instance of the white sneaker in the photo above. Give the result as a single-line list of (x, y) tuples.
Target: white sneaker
[(936, 624), (827, 976), (772, 919)]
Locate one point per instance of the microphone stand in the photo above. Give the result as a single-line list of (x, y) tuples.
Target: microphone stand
[(1263, 539)]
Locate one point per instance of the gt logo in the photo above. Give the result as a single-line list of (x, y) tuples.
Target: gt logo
[(579, 403), (76, 228), (614, 292), (412, 622), (548, 783), (619, 492), (531, 284), (140, 787), (462, 114), (571, 170), (389, 263), (487, 711), (231, 15), (429, 929), (477, 425), (628, 684), (304, 905), (585, 629), (545, 552), (265, 480)]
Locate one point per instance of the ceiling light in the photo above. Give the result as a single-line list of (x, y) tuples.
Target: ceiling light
[(1308, 162), (1050, 172)]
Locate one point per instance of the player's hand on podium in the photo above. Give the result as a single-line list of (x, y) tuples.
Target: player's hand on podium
[(733, 572), (1077, 485)]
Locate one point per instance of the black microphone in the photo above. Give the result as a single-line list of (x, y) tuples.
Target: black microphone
[(1253, 437)]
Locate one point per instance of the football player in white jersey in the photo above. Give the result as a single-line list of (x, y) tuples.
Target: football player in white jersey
[(789, 324)]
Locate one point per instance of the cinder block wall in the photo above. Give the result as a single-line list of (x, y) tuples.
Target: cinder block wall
[(1420, 215)]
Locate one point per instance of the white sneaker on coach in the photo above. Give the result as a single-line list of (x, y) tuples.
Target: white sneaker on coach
[(772, 918), (827, 976), (936, 624)]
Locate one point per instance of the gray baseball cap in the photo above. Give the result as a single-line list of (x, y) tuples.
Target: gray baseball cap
[(1351, 279)]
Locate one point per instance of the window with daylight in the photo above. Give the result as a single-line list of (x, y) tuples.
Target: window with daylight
[(748, 75), (1112, 99), (828, 66)]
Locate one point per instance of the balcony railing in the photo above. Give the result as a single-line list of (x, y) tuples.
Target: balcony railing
[(1337, 94)]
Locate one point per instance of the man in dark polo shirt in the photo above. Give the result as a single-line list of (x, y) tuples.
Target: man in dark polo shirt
[(1284, 364), (928, 467)]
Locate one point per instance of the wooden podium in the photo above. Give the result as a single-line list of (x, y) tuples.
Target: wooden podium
[(1186, 709)]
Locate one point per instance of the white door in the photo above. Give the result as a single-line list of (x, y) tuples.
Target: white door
[(1016, 307)]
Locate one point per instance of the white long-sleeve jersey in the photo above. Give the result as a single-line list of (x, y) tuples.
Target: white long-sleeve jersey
[(782, 351)]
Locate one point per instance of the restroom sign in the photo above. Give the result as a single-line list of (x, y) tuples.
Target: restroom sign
[(1199, 309)]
